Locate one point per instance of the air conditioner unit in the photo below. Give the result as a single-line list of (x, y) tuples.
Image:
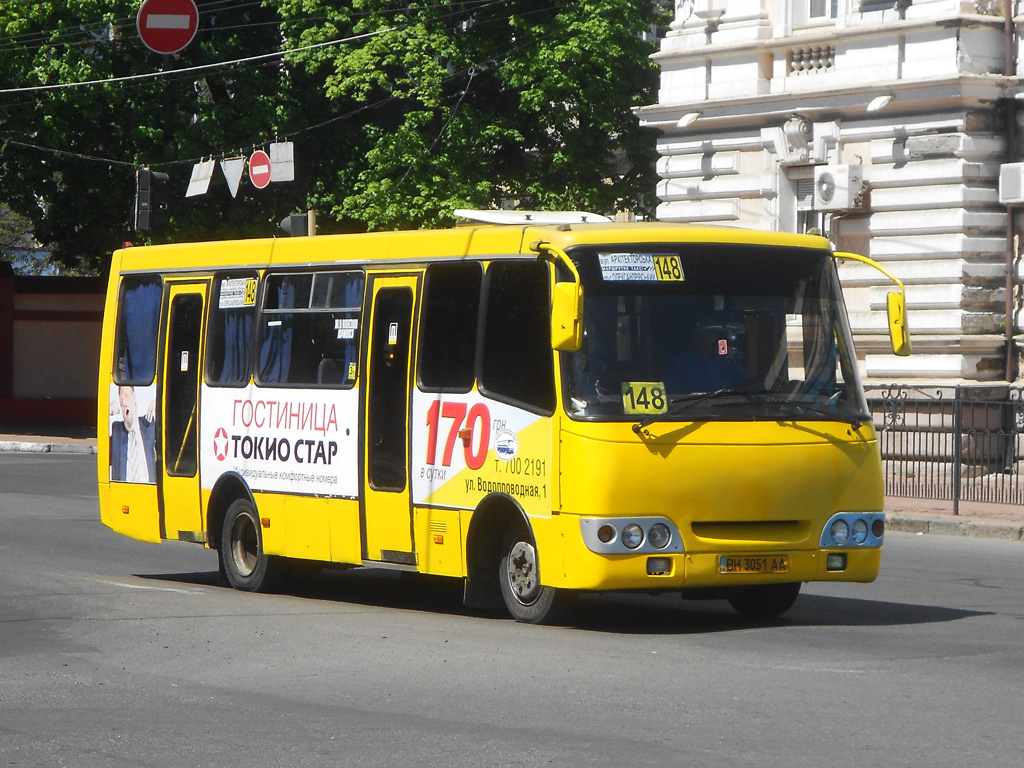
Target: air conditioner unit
[(1011, 183), (837, 187)]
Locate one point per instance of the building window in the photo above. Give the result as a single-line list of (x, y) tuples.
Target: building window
[(813, 12), (822, 9)]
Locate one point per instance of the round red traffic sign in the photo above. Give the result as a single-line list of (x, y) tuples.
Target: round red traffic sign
[(259, 169), (167, 26)]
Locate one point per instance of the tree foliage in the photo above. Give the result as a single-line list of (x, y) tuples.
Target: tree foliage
[(400, 113)]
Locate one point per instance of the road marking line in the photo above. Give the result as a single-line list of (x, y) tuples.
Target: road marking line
[(126, 585)]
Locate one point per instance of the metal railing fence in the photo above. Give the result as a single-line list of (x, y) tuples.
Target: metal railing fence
[(963, 443)]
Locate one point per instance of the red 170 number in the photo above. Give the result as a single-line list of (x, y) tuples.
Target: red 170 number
[(456, 412)]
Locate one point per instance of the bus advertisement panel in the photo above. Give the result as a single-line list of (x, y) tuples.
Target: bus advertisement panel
[(282, 440), (467, 447)]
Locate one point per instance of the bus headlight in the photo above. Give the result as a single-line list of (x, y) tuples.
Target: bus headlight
[(839, 532), (659, 536), (854, 530), (860, 531), (632, 536)]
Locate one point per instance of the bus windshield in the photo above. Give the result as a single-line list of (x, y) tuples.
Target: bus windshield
[(712, 332)]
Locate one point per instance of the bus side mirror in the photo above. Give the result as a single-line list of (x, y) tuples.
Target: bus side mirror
[(899, 334), (896, 305), (567, 316)]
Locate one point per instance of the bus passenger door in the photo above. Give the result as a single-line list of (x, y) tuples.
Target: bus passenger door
[(180, 512), (387, 510)]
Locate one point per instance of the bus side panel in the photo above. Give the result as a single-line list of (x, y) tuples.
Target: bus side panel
[(346, 547), (103, 386), (104, 378), (270, 508), (130, 509), (467, 448), (127, 508), (439, 541)]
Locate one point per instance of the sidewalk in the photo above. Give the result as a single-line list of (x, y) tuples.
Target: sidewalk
[(994, 521), (47, 439)]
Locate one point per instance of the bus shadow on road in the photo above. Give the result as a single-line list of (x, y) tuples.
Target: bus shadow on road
[(668, 614), (623, 613)]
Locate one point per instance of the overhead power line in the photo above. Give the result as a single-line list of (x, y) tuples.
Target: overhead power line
[(198, 67)]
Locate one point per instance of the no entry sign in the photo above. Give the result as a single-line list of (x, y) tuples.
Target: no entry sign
[(259, 169), (167, 26)]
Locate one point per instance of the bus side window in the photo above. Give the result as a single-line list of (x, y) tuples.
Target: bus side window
[(229, 338), (310, 329), (451, 310), (517, 363), (138, 323)]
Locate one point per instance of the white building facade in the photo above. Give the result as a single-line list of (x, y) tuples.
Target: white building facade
[(883, 124)]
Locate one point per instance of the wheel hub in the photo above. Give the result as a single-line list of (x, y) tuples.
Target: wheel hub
[(522, 572), (244, 545)]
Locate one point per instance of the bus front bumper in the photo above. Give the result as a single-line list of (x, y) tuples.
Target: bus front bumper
[(582, 569)]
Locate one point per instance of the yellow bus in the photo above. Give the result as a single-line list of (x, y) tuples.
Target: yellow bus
[(539, 409)]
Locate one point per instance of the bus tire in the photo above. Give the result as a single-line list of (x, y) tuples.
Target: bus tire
[(519, 578), (242, 559), (764, 601)]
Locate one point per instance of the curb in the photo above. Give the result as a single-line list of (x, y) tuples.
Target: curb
[(12, 446), (955, 527)]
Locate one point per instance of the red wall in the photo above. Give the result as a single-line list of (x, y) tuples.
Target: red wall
[(49, 348)]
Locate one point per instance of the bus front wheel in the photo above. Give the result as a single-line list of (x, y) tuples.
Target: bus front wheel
[(764, 601), (519, 576), (242, 558)]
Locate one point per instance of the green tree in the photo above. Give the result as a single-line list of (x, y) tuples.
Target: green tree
[(475, 104), (404, 112), (68, 154)]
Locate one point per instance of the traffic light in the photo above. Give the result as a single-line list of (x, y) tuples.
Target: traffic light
[(296, 225), (300, 224), (150, 207)]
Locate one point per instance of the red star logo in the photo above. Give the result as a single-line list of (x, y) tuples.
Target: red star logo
[(220, 444)]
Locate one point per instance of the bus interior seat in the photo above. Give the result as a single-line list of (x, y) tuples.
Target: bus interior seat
[(329, 372)]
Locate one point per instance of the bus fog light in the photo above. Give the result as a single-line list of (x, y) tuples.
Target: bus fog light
[(659, 566), (835, 561), (632, 536), (606, 533), (659, 536), (840, 532), (860, 531)]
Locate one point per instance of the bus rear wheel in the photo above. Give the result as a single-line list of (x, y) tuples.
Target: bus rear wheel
[(519, 577), (764, 601), (242, 559)]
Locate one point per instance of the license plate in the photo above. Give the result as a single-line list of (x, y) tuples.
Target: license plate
[(753, 564)]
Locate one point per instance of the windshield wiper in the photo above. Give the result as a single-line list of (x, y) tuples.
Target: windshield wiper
[(854, 422), (681, 402)]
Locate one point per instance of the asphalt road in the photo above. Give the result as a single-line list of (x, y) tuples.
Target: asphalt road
[(114, 652)]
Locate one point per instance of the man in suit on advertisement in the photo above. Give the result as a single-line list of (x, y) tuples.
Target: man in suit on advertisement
[(132, 443)]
